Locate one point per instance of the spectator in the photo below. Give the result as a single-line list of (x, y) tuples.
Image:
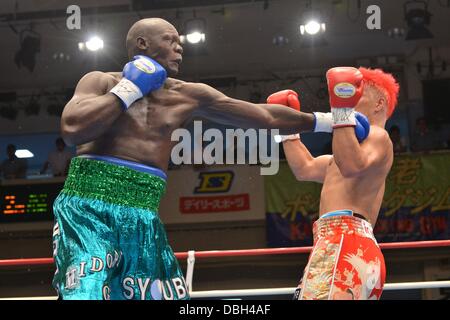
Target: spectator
[(58, 160), (13, 167), (398, 141), (424, 139)]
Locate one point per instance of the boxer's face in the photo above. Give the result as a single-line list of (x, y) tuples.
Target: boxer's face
[(371, 102), (165, 48)]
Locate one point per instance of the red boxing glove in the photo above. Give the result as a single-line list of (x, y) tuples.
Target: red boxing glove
[(287, 98), (345, 86)]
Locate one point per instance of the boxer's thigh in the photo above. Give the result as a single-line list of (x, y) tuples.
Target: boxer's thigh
[(150, 270), (360, 272), (85, 249), (318, 276)]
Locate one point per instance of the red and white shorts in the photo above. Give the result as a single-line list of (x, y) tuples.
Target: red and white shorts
[(345, 263)]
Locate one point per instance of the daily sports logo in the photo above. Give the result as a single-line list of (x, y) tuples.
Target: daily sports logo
[(344, 90), (145, 65), (214, 182), (218, 183)]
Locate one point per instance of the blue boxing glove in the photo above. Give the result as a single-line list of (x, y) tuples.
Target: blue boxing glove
[(140, 76), (362, 128)]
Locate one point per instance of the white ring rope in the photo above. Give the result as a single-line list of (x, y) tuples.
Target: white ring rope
[(287, 291), (281, 291)]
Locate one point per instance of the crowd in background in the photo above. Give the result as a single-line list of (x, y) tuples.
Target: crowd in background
[(58, 162), (423, 138)]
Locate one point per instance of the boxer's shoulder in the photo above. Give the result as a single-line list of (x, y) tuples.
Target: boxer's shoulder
[(379, 140), (100, 80), (174, 84), (100, 75), (192, 89), (379, 134)]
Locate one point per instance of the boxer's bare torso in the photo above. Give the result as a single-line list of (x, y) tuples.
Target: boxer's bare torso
[(142, 134), (362, 194)]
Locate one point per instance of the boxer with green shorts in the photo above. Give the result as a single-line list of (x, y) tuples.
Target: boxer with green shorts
[(109, 241)]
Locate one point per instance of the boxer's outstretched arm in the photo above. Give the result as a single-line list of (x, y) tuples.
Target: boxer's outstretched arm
[(303, 165), (354, 159), (91, 111), (216, 106)]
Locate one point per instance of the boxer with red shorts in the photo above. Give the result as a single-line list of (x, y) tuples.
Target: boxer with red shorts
[(346, 262)]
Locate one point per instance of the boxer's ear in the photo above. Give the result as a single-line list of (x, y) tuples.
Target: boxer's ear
[(381, 104), (142, 43)]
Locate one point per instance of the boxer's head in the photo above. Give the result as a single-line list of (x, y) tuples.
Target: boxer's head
[(380, 94), (157, 39)]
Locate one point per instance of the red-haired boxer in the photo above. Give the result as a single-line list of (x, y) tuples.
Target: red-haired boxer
[(346, 262)]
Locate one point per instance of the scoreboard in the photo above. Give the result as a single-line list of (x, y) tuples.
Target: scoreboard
[(29, 200)]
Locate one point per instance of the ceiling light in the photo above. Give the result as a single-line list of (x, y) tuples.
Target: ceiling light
[(24, 154)]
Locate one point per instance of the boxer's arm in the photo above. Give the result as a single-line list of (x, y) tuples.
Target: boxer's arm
[(215, 106), (354, 159), (91, 111), (303, 165)]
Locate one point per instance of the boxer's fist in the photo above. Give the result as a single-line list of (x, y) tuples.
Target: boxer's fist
[(290, 99), (287, 98), (345, 87), (147, 74), (141, 76), (362, 128)]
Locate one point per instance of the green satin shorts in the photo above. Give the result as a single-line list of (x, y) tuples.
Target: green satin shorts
[(108, 239)]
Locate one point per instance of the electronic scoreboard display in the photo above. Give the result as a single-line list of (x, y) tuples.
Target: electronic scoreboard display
[(29, 202)]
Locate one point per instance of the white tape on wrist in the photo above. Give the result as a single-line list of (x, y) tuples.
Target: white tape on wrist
[(324, 122), (127, 91), (280, 138), (343, 117)]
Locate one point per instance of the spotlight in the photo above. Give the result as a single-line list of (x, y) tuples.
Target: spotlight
[(30, 45), (312, 24), (195, 37), (194, 32), (417, 19), (312, 28), (93, 44)]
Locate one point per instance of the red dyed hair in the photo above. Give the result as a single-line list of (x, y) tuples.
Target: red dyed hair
[(384, 82)]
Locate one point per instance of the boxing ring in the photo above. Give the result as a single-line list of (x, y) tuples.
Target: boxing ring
[(192, 256)]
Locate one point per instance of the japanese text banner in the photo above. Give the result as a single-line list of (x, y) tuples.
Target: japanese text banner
[(416, 203)]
